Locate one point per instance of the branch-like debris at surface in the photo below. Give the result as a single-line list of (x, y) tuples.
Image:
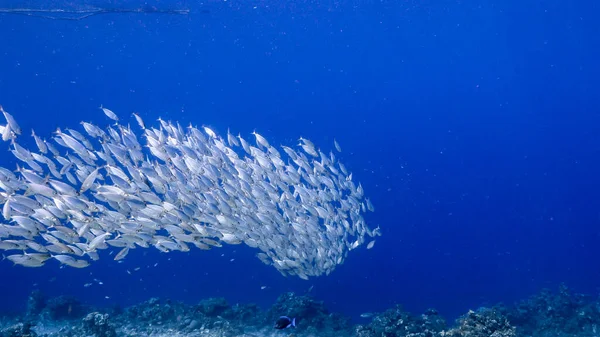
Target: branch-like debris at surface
[(80, 14)]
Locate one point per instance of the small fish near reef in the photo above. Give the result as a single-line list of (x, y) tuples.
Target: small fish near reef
[(285, 322)]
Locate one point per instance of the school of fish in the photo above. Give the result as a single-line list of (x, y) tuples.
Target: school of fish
[(85, 191)]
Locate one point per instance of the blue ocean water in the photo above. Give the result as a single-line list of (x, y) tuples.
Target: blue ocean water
[(474, 128)]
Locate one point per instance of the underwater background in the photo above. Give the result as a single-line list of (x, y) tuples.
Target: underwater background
[(474, 128)]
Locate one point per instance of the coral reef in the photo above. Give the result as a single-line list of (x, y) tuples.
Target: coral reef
[(154, 312), (35, 303), (97, 324), (484, 322), (63, 308), (213, 306), (18, 330), (556, 314), (398, 323), (309, 314)]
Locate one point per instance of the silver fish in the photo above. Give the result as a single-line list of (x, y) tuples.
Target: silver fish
[(169, 188)]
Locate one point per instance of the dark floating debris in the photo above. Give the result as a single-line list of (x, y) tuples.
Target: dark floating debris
[(83, 13)]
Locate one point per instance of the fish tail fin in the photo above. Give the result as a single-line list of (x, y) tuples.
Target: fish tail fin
[(28, 192), (294, 322)]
